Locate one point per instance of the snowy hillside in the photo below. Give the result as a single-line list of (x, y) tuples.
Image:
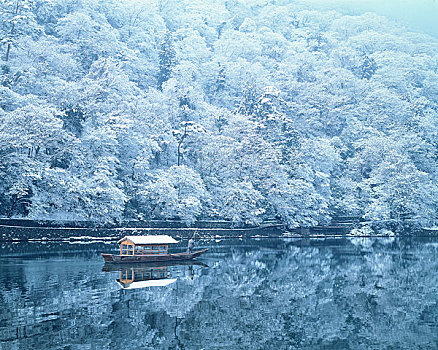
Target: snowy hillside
[(237, 109)]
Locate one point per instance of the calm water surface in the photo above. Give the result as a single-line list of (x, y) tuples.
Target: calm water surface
[(247, 294)]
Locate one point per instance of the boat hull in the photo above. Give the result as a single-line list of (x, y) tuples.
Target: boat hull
[(114, 267), (114, 258)]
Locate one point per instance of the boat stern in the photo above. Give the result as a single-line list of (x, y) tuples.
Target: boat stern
[(108, 257), (198, 253)]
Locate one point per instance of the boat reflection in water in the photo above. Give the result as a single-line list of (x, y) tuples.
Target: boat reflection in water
[(142, 275)]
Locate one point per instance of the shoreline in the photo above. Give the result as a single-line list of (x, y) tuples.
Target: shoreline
[(111, 235), (13, 230)]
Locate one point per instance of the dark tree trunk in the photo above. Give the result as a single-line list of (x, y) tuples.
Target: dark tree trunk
[(12, 32)]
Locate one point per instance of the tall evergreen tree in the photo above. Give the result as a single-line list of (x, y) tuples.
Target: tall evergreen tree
[(167, 59)]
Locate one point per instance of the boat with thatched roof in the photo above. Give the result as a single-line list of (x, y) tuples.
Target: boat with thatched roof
[(148, 249)]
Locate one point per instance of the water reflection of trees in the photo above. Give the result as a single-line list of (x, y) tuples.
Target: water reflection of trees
[(357, 294)]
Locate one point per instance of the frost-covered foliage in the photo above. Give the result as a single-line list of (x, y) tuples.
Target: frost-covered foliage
[(243, 110), (177, 192)]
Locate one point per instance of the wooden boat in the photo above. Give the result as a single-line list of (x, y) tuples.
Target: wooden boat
[(142, 249)]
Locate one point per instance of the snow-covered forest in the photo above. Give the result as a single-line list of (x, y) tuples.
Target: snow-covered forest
[(240, 109)]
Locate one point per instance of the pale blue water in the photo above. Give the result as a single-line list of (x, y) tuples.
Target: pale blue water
[(265, 294)]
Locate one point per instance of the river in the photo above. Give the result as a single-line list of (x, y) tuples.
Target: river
[(345, 293)]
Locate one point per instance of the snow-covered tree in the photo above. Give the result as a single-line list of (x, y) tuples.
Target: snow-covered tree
[(177, 193)]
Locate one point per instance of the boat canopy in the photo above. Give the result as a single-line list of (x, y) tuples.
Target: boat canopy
[(153, 239)]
